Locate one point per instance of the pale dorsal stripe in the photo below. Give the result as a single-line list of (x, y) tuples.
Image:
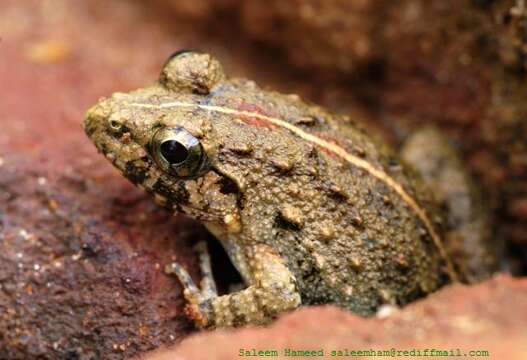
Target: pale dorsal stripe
[(361, 163)]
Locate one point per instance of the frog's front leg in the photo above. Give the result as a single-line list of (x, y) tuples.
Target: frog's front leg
[(271, 292)]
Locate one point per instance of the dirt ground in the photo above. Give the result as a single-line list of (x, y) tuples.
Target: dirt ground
[(82, 251)]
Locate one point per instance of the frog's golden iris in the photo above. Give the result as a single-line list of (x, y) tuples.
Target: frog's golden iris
[(178, 152)]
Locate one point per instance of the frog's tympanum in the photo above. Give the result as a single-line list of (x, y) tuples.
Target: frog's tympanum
[(309, 208)]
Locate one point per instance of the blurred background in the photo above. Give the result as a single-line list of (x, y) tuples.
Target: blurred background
[(81, 249)]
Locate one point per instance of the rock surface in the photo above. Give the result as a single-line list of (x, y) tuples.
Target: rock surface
[(81, 249), (482, 318)]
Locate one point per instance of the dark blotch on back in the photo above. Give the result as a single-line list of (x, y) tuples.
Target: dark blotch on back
[(337, 194), (310, 121), (282, 223)]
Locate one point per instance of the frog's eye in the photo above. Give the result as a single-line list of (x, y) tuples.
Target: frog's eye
[(191, 71), (178, 152), (179, 53)]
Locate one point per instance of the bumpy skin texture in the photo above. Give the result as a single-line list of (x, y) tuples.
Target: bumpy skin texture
[(308, 207)]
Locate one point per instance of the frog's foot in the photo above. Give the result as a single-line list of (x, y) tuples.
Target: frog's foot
[(272, 291), (197, 297), (466, 229)]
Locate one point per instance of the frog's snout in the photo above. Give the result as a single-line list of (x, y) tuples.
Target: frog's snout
[(94, 119), (98, 126)]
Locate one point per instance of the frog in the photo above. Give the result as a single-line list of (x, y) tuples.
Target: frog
[(310, 206)]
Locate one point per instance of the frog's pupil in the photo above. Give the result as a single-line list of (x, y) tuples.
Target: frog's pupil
[(174, 152)]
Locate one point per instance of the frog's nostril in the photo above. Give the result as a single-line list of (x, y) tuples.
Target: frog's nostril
[(115, 125)]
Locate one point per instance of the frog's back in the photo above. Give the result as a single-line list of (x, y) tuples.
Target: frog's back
[(339, 207)]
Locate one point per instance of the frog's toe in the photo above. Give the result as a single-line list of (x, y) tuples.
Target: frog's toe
[(199, 305), (188, 284), (199, 311), (208, 285)]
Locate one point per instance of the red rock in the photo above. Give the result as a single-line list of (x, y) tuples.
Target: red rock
[(491, 316), (80, 247)]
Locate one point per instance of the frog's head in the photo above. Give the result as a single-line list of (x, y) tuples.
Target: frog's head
[(158, 140)]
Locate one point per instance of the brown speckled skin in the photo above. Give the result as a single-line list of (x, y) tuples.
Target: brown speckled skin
[(301, 225)]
